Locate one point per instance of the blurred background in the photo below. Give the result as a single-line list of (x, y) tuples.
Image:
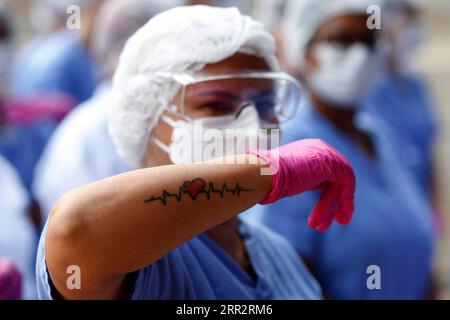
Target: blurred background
[(434, 62), (30, 19)]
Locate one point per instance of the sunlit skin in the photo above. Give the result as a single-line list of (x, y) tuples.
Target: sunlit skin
[(342, 30)]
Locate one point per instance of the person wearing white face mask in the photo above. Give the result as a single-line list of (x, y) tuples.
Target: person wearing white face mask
[(337, 72), (170, 230), (339, 59), (187, 136), (401, 99)]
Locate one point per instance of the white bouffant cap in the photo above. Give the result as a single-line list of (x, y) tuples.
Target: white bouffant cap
[(304, 17), (180, 40)]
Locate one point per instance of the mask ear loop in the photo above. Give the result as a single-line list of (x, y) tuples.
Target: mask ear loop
[(172, 109), (169, 121)]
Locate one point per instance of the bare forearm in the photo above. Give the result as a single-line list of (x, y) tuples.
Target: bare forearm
[(126, 222)]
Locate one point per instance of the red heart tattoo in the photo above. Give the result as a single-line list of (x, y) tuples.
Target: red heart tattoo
[(194, 187)]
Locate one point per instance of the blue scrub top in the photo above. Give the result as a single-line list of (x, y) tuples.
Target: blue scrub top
[(200, 269), (22, 145), (392, 225), (402, 102), (55, 63)]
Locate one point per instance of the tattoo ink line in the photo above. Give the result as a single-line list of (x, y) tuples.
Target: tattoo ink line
[(196, 187)]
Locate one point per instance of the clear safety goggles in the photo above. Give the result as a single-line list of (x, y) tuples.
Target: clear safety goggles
[(275, 95)]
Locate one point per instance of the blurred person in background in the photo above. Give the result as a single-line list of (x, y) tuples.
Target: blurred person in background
[(17, 237), (402, 99), (339, 57), (266, 11), (84, 131), (26, 123), (59, 59)]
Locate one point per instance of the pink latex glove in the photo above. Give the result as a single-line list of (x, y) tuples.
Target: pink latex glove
[(10, 281), (313, 165)]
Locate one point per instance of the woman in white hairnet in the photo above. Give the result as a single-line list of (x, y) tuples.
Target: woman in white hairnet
[(386, 253), (169, 230)]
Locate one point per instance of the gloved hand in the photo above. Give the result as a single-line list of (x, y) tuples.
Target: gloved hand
[(313, 165), (10, 281)]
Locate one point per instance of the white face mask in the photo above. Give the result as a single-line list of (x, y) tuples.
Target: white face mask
[(195, 141), (344, 76)]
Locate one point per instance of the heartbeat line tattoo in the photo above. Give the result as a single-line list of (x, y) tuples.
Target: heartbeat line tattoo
[(196, 187)]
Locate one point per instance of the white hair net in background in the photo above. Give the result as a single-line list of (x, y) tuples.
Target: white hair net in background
[(180, 40), (303, 18), (116, 21)]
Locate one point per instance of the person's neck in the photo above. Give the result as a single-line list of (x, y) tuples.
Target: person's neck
[(342, 118), (395, 71)]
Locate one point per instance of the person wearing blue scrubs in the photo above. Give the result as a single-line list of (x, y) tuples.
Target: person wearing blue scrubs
[(391, 228), (22, 146), (92, 156), (200, 269), (386, 252), (57, 63), (401, 99), (25, 123), (28, 124), (17, 236), (169, 246)]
